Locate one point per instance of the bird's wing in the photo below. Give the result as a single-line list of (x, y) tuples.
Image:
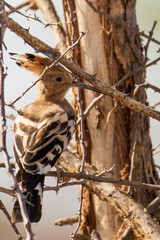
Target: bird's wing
[(38, 145)]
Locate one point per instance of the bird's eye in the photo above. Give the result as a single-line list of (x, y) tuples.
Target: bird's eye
[(58, 79)]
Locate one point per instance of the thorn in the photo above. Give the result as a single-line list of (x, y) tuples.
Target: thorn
[(27, 29)]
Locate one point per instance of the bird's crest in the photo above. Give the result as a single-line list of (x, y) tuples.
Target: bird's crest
[(32, 62)]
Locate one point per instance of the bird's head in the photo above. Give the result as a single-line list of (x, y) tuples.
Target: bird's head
[(54, 79)]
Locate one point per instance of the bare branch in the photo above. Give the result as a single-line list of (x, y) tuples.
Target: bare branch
[(146, 85), (88, 109), (149, 40), (66, 221), (77, 71), (71, 164), (37, 44), (50, 14), (141, 223), (3, 128), (2, 207), (7, 191), (95, 178), (21, 5), (34, 17)]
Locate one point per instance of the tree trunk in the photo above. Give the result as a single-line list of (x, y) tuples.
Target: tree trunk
[(111, 49)]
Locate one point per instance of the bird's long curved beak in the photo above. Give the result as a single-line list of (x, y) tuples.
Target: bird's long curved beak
[(83, 85)]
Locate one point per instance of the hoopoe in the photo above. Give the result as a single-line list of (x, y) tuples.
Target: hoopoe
[(42, 132)]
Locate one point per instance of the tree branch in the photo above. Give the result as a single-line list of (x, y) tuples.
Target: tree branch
[(143, 226), (146, 47), (3, 128), (71, 166), (2, 207), (48, 10), (77, 71)]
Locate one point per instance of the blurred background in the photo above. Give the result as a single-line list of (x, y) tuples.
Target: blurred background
[(66, 202)]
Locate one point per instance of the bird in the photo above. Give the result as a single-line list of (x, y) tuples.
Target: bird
[(42, 130)]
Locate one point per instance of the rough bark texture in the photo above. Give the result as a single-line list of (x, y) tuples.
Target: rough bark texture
[(119, 136)]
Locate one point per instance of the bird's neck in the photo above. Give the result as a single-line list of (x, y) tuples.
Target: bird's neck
[(48, 100), (50, 97), (50, 94)]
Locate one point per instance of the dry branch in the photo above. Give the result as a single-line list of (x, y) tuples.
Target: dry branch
[(71, 166), (2, 207), (49, 12), (66, 221), (7, 191), (3, 129), (146, 47), (143, 226), (77, 71)]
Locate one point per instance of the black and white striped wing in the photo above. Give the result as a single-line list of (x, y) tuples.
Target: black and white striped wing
[(38, 145)]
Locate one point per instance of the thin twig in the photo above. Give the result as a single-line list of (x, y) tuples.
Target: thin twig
[(139, 69), (82, 136), (156, 152), (35, 18), (132, 164), (79, 213), (18, 6), (96, 178), (149, 40), (66, 221), (11, 104), (88, 109), (109, 114), (66, 184), (146, 85), (70, 47), (3, 128), (50, 14), (148, 37), (3, 208), (155, 105), (7, 191), (155, 148)]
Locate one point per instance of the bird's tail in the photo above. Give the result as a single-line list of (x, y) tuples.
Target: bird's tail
[(33, 201)]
